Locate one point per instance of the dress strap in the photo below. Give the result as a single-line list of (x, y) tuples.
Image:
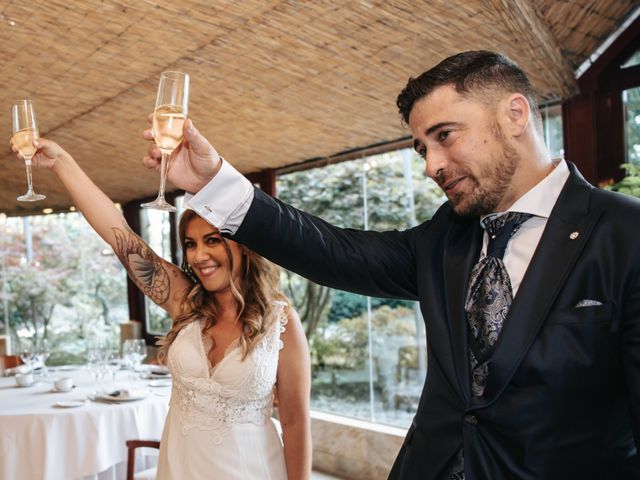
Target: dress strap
[(281, 322)]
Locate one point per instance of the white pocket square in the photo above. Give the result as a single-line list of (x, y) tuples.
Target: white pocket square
[(587, 302)]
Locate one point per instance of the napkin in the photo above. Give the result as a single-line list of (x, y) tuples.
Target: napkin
[(126, 393)]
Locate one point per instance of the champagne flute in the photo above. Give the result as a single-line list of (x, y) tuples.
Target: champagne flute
[(172, 103), (25, 131)]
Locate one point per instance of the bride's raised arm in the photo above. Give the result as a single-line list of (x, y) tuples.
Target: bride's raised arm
[(162, 281)]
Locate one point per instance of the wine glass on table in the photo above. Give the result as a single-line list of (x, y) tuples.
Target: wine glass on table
[(130, 356), (27, 352), (113, 364), (42, 354), (141, 350), (25, 131), (96, 354), (172, 104)]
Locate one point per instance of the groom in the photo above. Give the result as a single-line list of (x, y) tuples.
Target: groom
[(528, 279)]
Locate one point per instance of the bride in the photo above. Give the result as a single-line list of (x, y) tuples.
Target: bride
[(234, 339)]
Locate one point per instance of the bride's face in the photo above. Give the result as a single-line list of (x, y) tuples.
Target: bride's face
[(207, 254)]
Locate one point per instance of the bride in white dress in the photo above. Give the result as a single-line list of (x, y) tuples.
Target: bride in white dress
[(219, 423), (233, 342)]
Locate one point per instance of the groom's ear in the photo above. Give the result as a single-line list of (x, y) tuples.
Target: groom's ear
[(514, 114)]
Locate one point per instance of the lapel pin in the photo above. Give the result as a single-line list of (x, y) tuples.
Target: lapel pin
[(574, 235)]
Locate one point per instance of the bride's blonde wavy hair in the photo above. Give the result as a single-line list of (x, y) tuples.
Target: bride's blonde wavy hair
[(256, 291)]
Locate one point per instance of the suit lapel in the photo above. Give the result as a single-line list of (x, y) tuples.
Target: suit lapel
[(459, 258), (556, 254)]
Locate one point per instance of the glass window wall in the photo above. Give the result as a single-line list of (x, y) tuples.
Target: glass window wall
[(368, 354), (156, 230), (60, 282), (630, 184)]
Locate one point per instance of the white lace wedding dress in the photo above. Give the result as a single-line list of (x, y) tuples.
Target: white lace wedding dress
[(219, 423)]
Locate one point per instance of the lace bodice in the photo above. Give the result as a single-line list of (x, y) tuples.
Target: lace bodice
[(234, 390)]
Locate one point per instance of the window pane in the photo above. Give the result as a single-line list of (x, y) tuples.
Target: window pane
[(633, 61), (368, 354), (552, 127), (630, 184), (631, 102), (156, 231), (62, 282), (179, 203), (398, 196)]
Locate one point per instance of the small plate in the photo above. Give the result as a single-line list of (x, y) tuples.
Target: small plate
[(55, 390), (69, 404), (160, 383), (67, 368)]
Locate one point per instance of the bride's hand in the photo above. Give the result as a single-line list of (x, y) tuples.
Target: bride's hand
[(47, 154)]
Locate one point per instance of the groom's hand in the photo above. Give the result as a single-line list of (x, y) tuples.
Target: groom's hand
[(193, 163)]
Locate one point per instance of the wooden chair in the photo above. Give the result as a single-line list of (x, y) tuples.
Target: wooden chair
[(131, 455), (9, 361)]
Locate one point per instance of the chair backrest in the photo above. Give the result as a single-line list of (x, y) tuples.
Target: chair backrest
[(131, 454), (9, 361)]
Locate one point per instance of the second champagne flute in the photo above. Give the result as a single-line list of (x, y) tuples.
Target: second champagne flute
[(172, 104), (25, 131)]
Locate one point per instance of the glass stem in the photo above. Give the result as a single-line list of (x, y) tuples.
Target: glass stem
[(27, 163), (164, 166)]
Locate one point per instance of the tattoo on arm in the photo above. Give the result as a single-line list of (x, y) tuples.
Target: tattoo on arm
[(146, 269)]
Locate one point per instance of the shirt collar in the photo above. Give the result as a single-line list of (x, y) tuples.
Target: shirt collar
[(539, 201)]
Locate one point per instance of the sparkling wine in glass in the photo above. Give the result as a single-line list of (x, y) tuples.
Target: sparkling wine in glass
[(172, 104), (25, 131)]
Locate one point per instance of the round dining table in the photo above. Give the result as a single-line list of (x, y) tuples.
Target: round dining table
[(79, 434)]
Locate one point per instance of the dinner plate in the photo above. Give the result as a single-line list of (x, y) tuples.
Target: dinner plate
[(160, 369), (121, 398), (69, 404), (160, 383)]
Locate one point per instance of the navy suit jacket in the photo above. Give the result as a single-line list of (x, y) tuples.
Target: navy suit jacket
[(562, 399)]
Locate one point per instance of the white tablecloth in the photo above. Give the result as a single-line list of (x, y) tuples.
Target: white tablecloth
[(39, 440)]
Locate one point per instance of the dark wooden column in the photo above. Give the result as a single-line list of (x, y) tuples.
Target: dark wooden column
[(593, 120), (266, 180), (579, 127)]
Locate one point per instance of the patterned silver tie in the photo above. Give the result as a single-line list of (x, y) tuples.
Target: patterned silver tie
[(488, 300), (489, 296)]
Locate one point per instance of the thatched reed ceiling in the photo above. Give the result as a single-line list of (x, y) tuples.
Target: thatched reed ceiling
[(274, 82)]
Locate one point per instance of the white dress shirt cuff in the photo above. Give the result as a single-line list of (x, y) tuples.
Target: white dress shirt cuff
[(225, 200)]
